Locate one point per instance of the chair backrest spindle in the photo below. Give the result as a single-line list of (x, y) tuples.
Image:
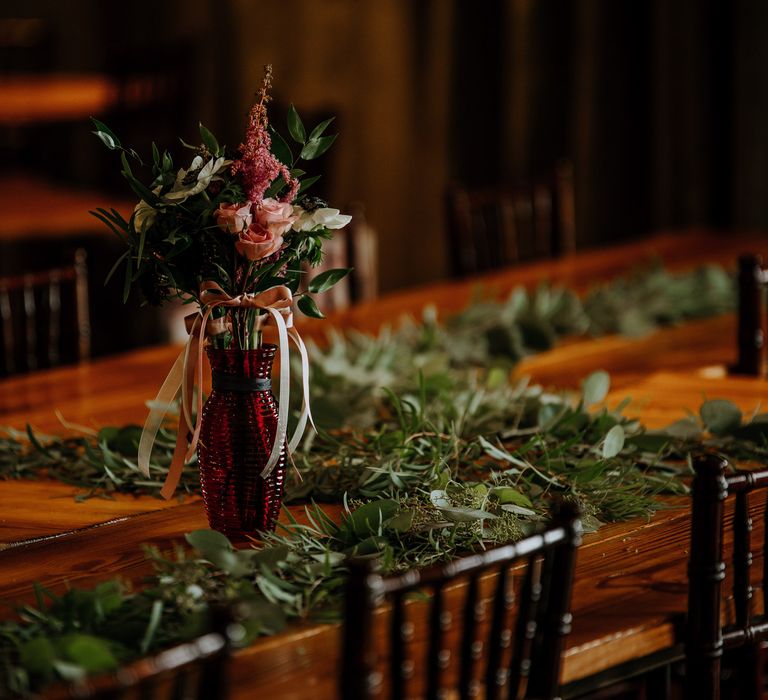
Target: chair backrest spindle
[(45, 318), (503, 225), (752, 280), (194, 670), (742, 559), (473, 615), (706, 635), (481, 638), (439, 621)]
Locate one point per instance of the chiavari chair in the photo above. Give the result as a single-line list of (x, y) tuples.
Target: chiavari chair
[(508, 641), (493, 227), (752, 283), (709, 631), (44, 318), (196, 670)]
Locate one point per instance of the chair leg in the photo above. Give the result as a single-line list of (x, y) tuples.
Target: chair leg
[(658, 684)]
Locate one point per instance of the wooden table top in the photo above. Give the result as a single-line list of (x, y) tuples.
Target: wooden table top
[(630, 580), (23, 198), (28, 99)]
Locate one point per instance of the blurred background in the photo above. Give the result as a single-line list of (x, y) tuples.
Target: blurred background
[(658, 109)]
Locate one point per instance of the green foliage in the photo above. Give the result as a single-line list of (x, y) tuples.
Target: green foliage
[(326, 280), (449, 457), (174, 241)]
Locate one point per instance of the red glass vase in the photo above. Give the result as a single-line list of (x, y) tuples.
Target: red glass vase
[(238, 426)]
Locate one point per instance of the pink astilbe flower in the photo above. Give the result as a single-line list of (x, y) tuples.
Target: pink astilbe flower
[(257, 166)]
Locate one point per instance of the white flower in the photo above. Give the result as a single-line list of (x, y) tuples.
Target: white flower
[(194, 591), (319, 218), (144, 214), (180, 192)]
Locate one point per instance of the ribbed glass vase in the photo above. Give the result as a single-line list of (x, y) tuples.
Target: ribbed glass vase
[(238, 425)]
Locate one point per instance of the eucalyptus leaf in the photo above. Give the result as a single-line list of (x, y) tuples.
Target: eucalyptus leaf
[(367, 519), (37, 655), (613, 443), (208, 541), (401, 522), (596, 387), (720, 416), (684, 429), (465, 515), (507, 494), (518, 510), (87, 651)]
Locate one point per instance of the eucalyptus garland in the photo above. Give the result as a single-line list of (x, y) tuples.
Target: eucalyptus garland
[(450, 457)]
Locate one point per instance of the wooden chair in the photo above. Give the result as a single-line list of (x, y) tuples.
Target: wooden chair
[(26, 45), (707, 635), (196, 670), (497, 226), (45, 318), (753, 280), (417, 640), (354, 246)]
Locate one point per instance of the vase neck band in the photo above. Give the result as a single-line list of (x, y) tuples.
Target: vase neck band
[(233, 382)]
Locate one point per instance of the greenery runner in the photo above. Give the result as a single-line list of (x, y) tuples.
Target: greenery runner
[(427, 444)]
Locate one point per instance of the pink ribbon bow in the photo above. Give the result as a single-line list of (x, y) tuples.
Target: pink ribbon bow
[(188, 370)]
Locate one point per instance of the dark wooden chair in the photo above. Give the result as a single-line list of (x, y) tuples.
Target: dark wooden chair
[(514, 650), (45, 318), (493, 227), (753, 281), (355, 246), (27, 45), (196, 670), (710, 632)]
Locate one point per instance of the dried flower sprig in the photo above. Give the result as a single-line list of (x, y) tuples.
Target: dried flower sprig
[(257, 166)]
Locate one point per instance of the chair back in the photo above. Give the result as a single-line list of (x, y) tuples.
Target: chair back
[(493, 227), (196, 670), (26, 45), (712, 627), (45, 318), (753, 280), (512, 608)]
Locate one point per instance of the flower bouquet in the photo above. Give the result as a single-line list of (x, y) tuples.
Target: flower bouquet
[(232, 234)]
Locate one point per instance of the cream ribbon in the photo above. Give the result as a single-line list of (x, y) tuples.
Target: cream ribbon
[(188, 370)]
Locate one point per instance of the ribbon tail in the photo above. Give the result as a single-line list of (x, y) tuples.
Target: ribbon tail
[(285, 391), (196, 351), (177, 462), (306, 412), (166, 395)]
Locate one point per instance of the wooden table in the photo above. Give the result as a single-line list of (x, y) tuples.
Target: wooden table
[(630, 583), (26, 99), (34, 208)]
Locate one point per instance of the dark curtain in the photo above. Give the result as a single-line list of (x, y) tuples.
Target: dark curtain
[(662, 107)]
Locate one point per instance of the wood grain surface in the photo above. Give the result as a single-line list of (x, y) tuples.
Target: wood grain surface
[(30, 99), (630, 582)]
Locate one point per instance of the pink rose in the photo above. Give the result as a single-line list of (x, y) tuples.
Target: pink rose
[(234, 218), (258, 242), (278, 217)]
